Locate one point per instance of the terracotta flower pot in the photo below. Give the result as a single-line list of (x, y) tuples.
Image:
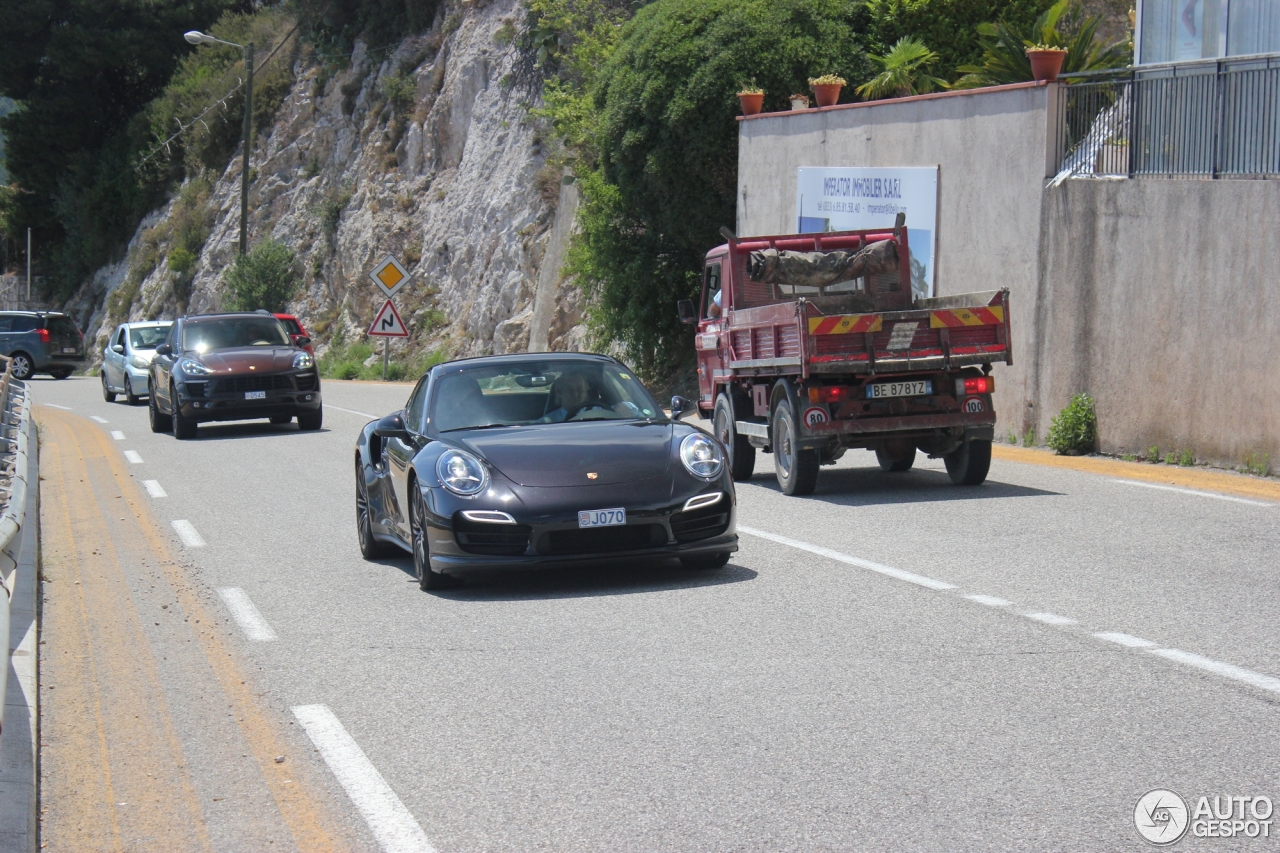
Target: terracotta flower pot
[(751, 104), (827, 94), (1045, 64)]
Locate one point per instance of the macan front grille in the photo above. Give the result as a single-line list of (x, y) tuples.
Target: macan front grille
[(701, 523), (493, 540), (240, 384), (306, 381), (194, 389), (602, 540)]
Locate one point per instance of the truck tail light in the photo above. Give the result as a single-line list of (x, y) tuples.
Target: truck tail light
[(44, 335), (975, 385), (828, 394)]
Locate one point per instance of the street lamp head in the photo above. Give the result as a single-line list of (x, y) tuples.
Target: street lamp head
[(196, 37)]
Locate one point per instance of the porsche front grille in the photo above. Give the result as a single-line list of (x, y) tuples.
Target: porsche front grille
[(700, 523), (240, 384), (493, 540), (602, 540)]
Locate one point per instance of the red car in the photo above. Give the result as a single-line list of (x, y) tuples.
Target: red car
[(295, 330)]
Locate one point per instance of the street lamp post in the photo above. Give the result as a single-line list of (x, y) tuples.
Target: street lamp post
[(197, 37)]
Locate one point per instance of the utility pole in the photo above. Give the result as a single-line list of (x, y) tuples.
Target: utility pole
[(248, 141), (28, 264)]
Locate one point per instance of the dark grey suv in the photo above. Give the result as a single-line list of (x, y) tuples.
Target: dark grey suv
[(41, 342)]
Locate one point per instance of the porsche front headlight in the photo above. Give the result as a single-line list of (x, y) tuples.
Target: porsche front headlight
[(302, 361), (701, 456), (462, 473), (191, 367)]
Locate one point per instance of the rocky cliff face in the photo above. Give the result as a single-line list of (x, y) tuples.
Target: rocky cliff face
[(429, 154)]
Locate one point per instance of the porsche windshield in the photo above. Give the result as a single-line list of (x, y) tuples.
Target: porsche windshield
[(233, 332), (539, 393)]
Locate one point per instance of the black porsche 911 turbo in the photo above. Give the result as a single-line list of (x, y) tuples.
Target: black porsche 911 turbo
[(522, 461)]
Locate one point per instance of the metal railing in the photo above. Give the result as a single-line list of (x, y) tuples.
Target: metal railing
[(1214, 119)]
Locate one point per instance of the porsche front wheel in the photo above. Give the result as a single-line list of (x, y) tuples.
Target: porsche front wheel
[(427, 579), (370, 548)]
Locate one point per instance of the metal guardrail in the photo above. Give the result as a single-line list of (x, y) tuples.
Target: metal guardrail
[(1216, 119), (15, 449)]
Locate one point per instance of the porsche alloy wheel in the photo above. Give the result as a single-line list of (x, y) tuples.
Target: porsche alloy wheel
[(183, 427), (370, 548), (427, 579)]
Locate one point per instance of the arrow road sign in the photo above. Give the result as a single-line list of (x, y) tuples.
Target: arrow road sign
[(390, 276), (388, 323)]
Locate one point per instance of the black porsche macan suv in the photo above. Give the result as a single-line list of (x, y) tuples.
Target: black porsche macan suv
[(232, 367)]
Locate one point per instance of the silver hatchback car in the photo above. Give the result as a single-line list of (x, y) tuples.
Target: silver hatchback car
[(127, 357)]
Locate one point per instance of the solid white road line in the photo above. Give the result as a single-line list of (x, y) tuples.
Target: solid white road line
[(391, 823), (251, 620), (909, 577), (153, 488), (1226, 670), (352, 411), (98, 419), (1193, 492), (989, 600), (132, 456), (187, 533), (117, 435), (1050, 618), (1125, 640), (56, 406)]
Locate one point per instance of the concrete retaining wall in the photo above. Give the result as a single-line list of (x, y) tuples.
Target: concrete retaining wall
[(1155, 296)]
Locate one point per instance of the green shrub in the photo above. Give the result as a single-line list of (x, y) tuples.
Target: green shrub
[(1075, 430), (400, 91), (1258, 465), (264, 278), (331, 206), (1186, 459), (1153, 453), (1029, 437)]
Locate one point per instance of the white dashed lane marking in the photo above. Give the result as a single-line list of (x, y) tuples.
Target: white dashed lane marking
[(117, 435), (1195, 492), (1225, 670), (251, 620), (154, 489), (187, 533), (98, 419), (392, 824), (133, 456)]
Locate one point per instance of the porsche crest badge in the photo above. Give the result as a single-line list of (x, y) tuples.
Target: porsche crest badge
[(591, 475)]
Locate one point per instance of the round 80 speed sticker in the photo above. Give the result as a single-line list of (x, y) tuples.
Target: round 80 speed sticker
[(815, 415)]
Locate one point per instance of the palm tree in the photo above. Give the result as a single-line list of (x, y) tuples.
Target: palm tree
[(905, 72), (1004, 56)]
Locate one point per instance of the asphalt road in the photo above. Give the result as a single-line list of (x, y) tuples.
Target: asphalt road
[(835, 687)]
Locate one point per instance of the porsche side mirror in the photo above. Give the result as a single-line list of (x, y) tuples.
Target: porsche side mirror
[(392, 426), (302, 340), (164, 349), (118, 348), (687, 313), (680, 406)]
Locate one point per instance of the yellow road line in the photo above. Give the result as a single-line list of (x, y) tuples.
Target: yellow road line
[(1226, 483), (302, 800)]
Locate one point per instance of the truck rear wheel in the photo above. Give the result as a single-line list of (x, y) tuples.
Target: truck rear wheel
[(968, 464), (797, 467), (742, 456), (896, 465)]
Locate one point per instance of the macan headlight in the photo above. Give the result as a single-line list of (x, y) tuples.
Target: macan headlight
[(462, 473), (303, 361), (701, 456), (191, 367)]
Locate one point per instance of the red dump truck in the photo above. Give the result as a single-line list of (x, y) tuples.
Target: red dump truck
[(810, 344)]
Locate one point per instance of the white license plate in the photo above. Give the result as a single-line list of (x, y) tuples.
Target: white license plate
[(255, 395), (919, 388), (602, 517), (68, 349)]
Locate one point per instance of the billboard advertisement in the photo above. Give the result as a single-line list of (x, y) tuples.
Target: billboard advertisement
[(848, 198)]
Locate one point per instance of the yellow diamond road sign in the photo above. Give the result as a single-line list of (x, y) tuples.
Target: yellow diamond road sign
[(390, 276)]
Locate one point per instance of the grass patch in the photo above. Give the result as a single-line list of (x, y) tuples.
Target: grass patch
[(1029, 437), (1259, 466)]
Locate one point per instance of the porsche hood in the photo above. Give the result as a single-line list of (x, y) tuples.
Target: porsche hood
[(551, 455)]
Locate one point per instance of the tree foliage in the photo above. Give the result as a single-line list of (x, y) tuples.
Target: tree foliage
[(663, 125), (267, 277), (906, 72)]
